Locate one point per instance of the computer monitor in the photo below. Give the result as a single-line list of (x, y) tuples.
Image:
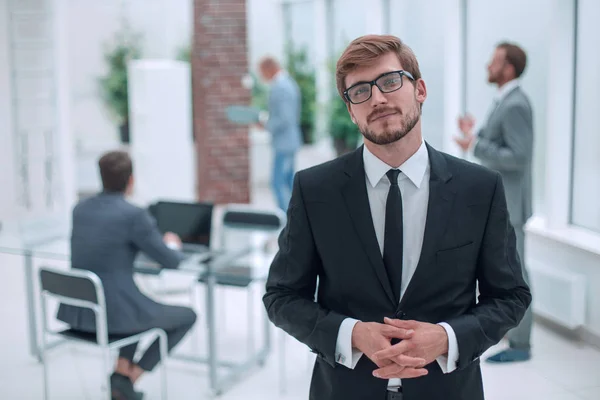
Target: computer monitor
[(191, 221)]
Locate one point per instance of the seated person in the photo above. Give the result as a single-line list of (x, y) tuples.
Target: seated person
[(107, 234)]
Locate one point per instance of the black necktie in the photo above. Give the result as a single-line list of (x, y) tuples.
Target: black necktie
[(392, 243)]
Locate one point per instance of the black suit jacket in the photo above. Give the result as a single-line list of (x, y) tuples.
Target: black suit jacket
[(330, 237)]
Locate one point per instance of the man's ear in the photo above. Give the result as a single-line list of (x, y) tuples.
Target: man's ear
[(421, 91)]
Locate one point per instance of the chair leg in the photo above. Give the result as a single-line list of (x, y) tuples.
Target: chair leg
[(43, 359), (250, 311), (106, 370), (282, 374), (162, 336), (194, 332)]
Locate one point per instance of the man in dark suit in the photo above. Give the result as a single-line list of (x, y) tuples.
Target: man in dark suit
[(398, 236), (505, 144), (108, 232)]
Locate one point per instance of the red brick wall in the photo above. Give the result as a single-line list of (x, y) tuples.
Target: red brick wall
[(219, 61)]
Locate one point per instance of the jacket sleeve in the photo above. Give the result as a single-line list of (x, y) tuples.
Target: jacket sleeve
[(290, 289), (517, 148), (147, 237), (281, 112), (503, 294)]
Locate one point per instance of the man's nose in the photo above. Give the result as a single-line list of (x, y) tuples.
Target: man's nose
[(377, 96)]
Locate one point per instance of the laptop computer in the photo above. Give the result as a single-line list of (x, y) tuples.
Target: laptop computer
[(192, 222)]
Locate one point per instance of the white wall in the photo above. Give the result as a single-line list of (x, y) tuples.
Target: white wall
[(165, 27), (426, 44), (265, 30)]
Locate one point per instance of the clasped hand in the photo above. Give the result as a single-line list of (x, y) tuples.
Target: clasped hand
[(421, 343)]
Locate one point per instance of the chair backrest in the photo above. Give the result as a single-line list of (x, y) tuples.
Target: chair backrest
[(248, 220), (249, 217), (74, 286)]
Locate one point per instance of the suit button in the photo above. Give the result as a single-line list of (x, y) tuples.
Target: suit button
[(400, 314)]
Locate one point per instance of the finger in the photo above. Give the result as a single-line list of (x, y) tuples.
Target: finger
[(393, 351), (383, 363), (398, 333), (401, 323), (396, 371), (408, 361)]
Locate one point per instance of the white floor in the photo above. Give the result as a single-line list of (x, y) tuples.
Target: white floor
[(560, 369)]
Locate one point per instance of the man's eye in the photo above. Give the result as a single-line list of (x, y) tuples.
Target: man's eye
[(391, 82)]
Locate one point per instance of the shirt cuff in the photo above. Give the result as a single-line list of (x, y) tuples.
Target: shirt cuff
[(448, 362), (344, 353)]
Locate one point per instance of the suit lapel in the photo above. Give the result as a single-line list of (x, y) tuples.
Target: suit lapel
[(357, 202), (496, 113), (441, 197)]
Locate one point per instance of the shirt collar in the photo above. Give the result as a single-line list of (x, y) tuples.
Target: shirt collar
[(414, 168), (280, 74), (506, 89)]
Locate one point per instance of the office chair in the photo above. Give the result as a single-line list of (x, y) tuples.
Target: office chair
[(84, 289), (246, 221)]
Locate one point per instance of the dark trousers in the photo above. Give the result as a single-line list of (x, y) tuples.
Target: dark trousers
[(175, 321)]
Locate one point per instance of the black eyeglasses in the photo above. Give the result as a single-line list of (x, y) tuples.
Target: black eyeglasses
[(388, 82)]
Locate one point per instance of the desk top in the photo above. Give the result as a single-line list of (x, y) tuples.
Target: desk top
[(58, 248)]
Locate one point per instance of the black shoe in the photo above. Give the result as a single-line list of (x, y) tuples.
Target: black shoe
[(122, 388), (140, 396)]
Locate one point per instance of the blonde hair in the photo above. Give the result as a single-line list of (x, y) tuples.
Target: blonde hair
[(366, 50)]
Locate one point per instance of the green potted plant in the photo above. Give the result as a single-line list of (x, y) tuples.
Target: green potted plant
[(113, 86), (344, 132), (299, 68)]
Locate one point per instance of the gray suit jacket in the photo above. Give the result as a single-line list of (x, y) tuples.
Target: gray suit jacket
[(108, 232), (284, 114), (505, 144)]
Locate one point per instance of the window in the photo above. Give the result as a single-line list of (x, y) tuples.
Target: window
[(585, 190), (489, 23)]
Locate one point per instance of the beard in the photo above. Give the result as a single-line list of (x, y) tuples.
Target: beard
[(387, 135), (492, 77)]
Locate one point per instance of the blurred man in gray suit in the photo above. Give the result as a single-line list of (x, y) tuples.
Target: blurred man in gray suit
[(284, 125), (505, 144), (107, 234)]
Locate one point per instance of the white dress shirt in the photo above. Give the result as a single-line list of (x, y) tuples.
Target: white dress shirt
[(505, 89), (414, 187)]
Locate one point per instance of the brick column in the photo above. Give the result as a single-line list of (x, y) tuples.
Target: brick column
[(219, 61)]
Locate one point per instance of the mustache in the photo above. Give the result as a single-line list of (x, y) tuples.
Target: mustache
[(377, 113)]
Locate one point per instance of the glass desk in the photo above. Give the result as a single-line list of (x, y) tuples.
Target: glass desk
[(57, 249)]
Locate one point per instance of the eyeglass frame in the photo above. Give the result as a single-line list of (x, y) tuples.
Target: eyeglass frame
[(374, 83)]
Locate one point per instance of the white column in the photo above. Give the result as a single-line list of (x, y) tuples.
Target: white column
[(559, 126), (323, 73), (453, 76), (160, 101), (8, 200), (65, 144), (385, 11), (374, 14)]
